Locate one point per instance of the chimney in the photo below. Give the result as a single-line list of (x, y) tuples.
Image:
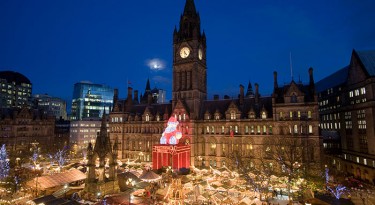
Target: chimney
[(216, 97), (149, 99), (311, 76), (129, 100), (130, 91), (256, 93), (241, 94), (115, 100), (136, 96), (275, 80)]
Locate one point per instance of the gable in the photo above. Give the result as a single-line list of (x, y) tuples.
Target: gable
[(357, 72)]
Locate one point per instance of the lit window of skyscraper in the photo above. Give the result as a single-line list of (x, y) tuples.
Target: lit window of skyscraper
[(89, 100)]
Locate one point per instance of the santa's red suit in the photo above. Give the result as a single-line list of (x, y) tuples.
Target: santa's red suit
[(171, 134)]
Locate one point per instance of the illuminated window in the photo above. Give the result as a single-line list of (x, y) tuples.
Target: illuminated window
[(232, 115), (295, 129), (264, 115), (147, 118), (363, 91), (309, 115), (310, 129)]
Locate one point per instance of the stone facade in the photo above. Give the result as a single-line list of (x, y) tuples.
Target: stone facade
[(347, 116), (215, 128), (23, 130)]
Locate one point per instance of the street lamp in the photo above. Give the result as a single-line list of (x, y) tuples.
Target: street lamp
[(98, 195), (130, 183)]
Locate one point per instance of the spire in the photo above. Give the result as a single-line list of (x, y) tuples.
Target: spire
[(148, 87), (250, 92), (189, 8), (103, 127), (189, 23)]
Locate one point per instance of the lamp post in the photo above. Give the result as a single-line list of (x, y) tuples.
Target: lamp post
[(130, 183)]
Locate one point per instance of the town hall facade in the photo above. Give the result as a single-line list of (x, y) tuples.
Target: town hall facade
[(217, 128)]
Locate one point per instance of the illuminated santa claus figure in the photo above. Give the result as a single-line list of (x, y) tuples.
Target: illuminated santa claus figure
[(171, 134)]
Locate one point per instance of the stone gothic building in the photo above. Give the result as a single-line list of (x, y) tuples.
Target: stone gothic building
[(216, 128)]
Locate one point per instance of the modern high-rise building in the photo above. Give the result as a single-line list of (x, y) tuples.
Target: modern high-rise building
[(15, 90), (215, 129), (347, 110), (50, 105), (89, 100)]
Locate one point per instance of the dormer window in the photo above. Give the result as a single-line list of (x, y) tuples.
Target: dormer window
[(293, 98), (147, 117), (252, 115), (217, 117), (264, 115), (232, 115)]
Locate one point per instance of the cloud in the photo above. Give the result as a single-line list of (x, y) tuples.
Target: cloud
[(156, 64), (161, 79)]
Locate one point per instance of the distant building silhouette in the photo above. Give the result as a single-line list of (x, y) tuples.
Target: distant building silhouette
[(50, 105)]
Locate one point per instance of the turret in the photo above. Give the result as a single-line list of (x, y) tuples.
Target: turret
[(241, 94), (275, 85), (256, 93)]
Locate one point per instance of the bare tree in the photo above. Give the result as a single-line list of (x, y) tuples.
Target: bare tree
[(255, 169), (291, 153)]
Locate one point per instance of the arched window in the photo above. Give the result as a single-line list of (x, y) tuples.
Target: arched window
[(147, 118), (294, 98), (264, 115), (309, 114)]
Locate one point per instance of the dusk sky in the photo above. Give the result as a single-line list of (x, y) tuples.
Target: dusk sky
[(56, 43)]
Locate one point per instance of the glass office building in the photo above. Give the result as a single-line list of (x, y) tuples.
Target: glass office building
[(90, 99)]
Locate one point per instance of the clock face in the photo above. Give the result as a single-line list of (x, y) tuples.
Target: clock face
[(200, 54), (184, 52)]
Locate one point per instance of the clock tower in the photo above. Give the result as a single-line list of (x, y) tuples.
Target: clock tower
[(189, 62)]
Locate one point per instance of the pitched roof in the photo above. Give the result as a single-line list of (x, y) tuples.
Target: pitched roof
[(45, 182), (333, 80), (368, 60)]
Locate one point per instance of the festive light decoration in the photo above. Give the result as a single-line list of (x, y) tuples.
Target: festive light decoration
[(171, 135), (336, 190), (4, 163)]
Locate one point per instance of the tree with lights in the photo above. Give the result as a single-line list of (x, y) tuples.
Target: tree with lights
[(60, 157), (295, 160), (255, 169), (335, 189), (4, 163)]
